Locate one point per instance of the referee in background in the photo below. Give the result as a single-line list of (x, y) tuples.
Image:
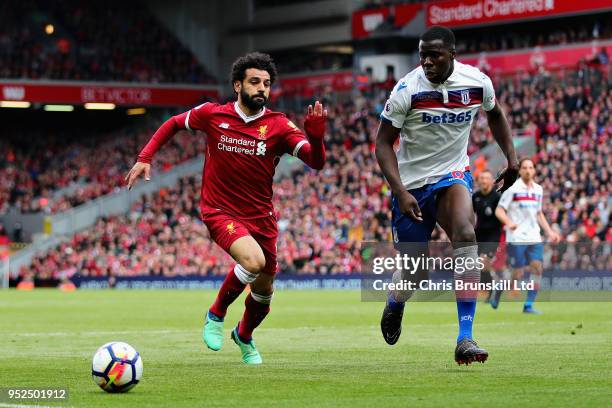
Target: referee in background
[(488, 227)]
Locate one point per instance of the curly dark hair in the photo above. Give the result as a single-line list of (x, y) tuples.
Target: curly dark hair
[(256, 60)]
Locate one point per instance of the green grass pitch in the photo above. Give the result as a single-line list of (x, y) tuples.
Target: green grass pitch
[(320, 349)]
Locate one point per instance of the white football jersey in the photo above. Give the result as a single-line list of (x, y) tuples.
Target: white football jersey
[(435, 121), (522, 204)]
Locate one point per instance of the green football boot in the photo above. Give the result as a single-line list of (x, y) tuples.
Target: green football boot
[(250, 355), (212, 334)]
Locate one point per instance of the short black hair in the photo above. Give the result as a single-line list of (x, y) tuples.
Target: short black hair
[(439, 33), (255, 60)]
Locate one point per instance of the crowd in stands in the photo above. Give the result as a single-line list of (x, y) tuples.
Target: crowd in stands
[(102, 41), (162, 235), (62, 170), (324, 216), (547, 33)]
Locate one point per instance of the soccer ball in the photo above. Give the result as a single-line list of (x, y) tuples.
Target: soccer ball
[(116, 367)]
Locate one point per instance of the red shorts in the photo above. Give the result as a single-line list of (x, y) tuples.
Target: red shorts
[(226, 229)]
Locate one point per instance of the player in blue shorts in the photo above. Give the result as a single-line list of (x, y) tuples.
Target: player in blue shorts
[(431, 111), (520, 210)]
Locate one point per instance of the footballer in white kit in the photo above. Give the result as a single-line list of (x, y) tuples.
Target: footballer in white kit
[(520, 211), (431, 111)]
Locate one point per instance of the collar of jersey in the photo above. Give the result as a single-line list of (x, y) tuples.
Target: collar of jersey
[(246, 118), (524, 185)]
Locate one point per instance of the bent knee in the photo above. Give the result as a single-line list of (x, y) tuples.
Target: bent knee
[(263, 290), (254, 263), (263, 285), (464, 234)]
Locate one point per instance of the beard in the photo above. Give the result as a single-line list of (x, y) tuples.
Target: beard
[(252, 103)]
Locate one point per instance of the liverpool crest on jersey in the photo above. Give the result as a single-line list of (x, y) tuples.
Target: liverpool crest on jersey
[(465, 97), (262, 131)]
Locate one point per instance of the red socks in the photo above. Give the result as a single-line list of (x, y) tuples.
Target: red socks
[(257, 308), (231, 288)]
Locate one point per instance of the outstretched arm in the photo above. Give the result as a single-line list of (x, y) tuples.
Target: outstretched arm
[(163, 134), (503, 136), (160, 137), (313, 152)]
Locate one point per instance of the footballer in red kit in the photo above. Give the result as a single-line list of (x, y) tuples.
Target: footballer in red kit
[(245, 142)]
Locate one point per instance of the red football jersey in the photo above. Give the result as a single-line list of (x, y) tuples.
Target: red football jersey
[(241, 156)]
